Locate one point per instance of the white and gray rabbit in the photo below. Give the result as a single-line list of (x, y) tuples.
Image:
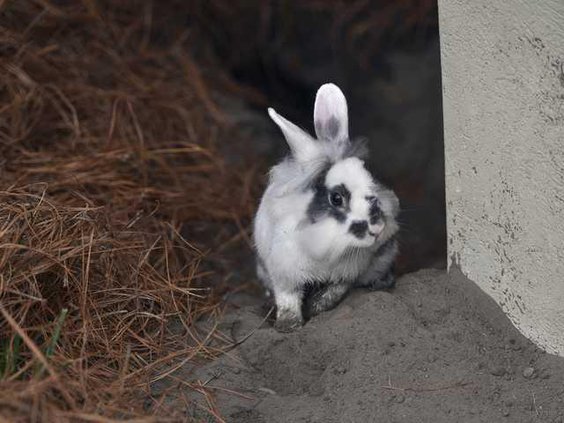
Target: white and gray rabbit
[(323, 219)]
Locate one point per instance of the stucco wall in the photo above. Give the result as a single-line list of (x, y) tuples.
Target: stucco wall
[(503, 101)]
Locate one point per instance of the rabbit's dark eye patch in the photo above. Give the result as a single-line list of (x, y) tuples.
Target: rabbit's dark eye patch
[(332, 202), (375, 212)]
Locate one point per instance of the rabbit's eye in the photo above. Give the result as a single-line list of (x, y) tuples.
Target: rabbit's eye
[(336, 199)]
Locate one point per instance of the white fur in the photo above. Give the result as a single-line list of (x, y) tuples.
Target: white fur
[(293, 251)]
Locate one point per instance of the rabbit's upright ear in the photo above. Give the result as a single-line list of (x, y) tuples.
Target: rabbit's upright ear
[(330, 115), (302, 145)]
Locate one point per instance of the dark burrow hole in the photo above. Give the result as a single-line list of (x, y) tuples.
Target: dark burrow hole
[(385, 56)]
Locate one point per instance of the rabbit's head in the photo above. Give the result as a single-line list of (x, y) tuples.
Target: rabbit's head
[(352, 207)]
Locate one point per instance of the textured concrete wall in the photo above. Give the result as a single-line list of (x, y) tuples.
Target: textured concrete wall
[(503, 91)]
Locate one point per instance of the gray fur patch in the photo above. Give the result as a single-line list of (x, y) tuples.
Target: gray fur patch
[(387, 247), (375, 212), (326, 298), (332, 127), (380, 273)]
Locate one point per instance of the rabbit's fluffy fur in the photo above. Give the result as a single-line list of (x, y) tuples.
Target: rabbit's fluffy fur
[(323, 219)]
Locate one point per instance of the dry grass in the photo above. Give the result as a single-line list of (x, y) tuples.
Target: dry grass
[(110, 164), (108, 140)]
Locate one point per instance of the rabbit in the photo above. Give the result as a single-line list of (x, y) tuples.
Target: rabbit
[(323, 219)]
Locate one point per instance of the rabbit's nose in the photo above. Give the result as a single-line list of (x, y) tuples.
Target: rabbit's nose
[(359, 228)]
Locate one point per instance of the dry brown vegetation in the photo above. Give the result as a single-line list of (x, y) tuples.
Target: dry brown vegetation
[(109, 147), (110, 140)]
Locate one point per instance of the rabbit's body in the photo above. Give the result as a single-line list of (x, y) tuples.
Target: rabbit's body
[(323, 218)]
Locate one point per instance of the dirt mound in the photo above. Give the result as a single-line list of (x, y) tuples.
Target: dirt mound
[(435, 349)]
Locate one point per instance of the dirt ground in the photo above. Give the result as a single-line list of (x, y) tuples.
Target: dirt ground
[(435, 349)]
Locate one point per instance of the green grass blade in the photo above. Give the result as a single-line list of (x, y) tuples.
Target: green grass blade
[(10, 356), (57, 333), (53, 342), (14, 355)]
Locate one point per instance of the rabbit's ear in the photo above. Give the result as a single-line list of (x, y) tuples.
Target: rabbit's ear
[(330, 114), (302, 145)]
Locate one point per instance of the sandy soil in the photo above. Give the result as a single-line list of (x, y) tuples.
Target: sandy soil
[(435, 349)]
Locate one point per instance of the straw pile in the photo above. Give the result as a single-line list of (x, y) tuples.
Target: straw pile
[(108, 147)]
